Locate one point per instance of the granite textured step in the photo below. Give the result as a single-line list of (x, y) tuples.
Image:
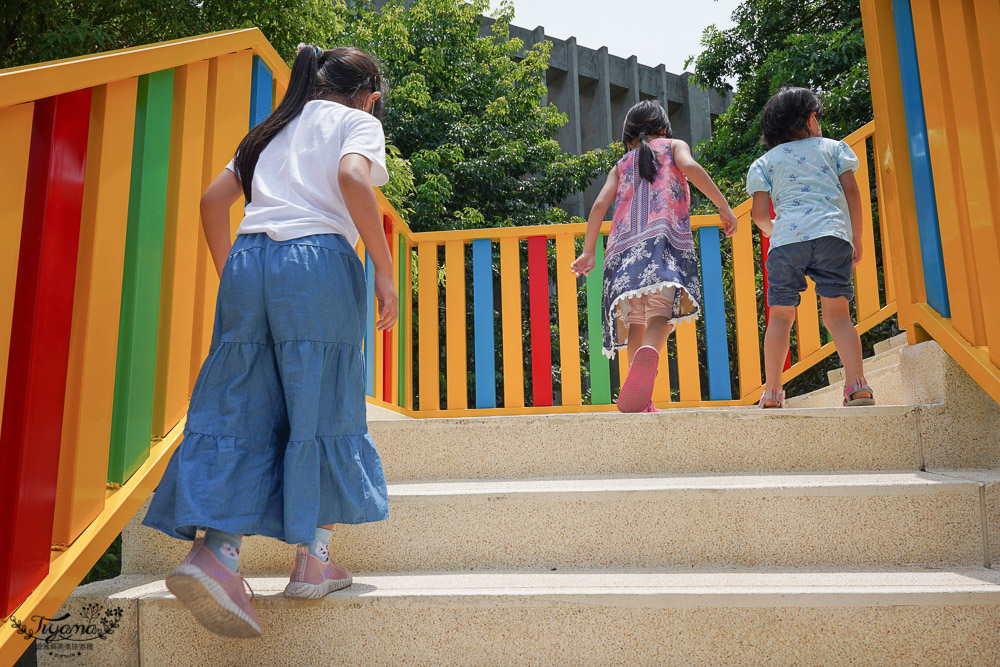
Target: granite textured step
[(585, 617), (749, 519), (673, 441)]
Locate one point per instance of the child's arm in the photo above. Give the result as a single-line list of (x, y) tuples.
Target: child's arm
[(853, 196), (585, 262), (219, 197), (354, 178), (701, 180), (761, 213)]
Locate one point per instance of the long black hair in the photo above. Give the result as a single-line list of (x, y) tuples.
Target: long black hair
[(343, 72), (646, 118), (786, 115)]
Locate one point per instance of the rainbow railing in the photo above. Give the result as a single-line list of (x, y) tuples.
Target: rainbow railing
[(489, 367), (107, 290), (935, 78)]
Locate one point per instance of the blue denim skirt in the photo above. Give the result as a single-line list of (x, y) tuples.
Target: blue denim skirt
[(276, 441)]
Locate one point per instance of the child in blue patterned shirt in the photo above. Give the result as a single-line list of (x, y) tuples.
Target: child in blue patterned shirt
[(816, 233)]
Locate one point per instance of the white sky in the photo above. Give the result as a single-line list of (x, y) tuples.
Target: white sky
[(656, 31)]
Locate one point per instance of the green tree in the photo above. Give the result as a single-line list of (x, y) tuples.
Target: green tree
[(818, 44), (466, 112), (38, 30)]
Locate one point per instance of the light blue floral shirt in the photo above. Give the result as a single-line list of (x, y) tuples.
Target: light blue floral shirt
[(802, 178)]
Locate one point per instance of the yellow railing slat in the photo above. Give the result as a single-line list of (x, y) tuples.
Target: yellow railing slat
[(454, 263), (866, 272), (182, 233), (510, 305), (569, 326), (15, 135), (688, 368), (745, 296), (428, 346), (807, 321)]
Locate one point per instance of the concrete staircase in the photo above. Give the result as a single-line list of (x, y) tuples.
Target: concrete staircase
[(812, 535)]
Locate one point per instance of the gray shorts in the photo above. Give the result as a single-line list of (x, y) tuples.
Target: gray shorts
[(827, 260)]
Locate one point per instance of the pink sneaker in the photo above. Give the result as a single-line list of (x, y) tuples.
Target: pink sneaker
[(652, 408), (637, 390), (214, 594), (312, 578)]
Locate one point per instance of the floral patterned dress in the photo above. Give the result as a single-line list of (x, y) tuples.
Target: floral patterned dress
[(650, 247)]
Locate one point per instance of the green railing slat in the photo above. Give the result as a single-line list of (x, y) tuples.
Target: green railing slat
[(600, 375), (132, 419)]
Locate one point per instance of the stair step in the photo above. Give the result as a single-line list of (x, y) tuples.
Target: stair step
[(883, 437), (885, 381), (675, 616), (886, 358), (749, 519)]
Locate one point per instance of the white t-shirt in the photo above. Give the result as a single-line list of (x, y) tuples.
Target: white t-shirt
[(295, 189)]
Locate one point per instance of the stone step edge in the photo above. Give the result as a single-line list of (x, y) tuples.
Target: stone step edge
[(731, 413), (646, 487), (837, 389), (669, 588)]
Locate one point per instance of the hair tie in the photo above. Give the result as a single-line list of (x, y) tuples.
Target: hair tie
[(319, 53), (642, 136)]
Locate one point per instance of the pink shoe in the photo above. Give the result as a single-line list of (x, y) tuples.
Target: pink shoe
[(637, 390), (652, 408), (312, 578), (214, 594)]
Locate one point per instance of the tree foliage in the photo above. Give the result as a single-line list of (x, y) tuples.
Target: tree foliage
[(470, 144), (466, 112), (38, 30), (818, 44)]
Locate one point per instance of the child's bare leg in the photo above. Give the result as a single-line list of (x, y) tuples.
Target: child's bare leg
[(779, 326), (636, 333), (657, 331), (837, 318)]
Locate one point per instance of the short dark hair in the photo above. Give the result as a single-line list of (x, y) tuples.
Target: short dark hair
[(786, 115)]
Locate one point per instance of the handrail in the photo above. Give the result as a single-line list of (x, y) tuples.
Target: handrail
[(933, 80), (34, 82)]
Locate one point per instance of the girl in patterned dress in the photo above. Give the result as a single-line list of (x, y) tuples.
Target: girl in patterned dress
[(650, 266)]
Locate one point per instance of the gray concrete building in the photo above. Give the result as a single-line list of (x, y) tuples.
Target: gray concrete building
[(595, 89)]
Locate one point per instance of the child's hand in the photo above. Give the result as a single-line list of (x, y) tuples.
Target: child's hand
[(583, 264), (388, 299), (857, 255), (728, 222)]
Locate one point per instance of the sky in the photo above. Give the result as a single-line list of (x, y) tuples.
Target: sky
[(656, 31)]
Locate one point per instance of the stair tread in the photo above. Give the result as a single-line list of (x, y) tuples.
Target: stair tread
[(616, 418), (796, 483), (652, 587)]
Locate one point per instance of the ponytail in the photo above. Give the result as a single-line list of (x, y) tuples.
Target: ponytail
[(342, 72), (646, 117), (646, 159), (300, 90)]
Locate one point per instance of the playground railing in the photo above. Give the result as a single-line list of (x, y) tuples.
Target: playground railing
[(525, 336), (107, 291), (935, 80)]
